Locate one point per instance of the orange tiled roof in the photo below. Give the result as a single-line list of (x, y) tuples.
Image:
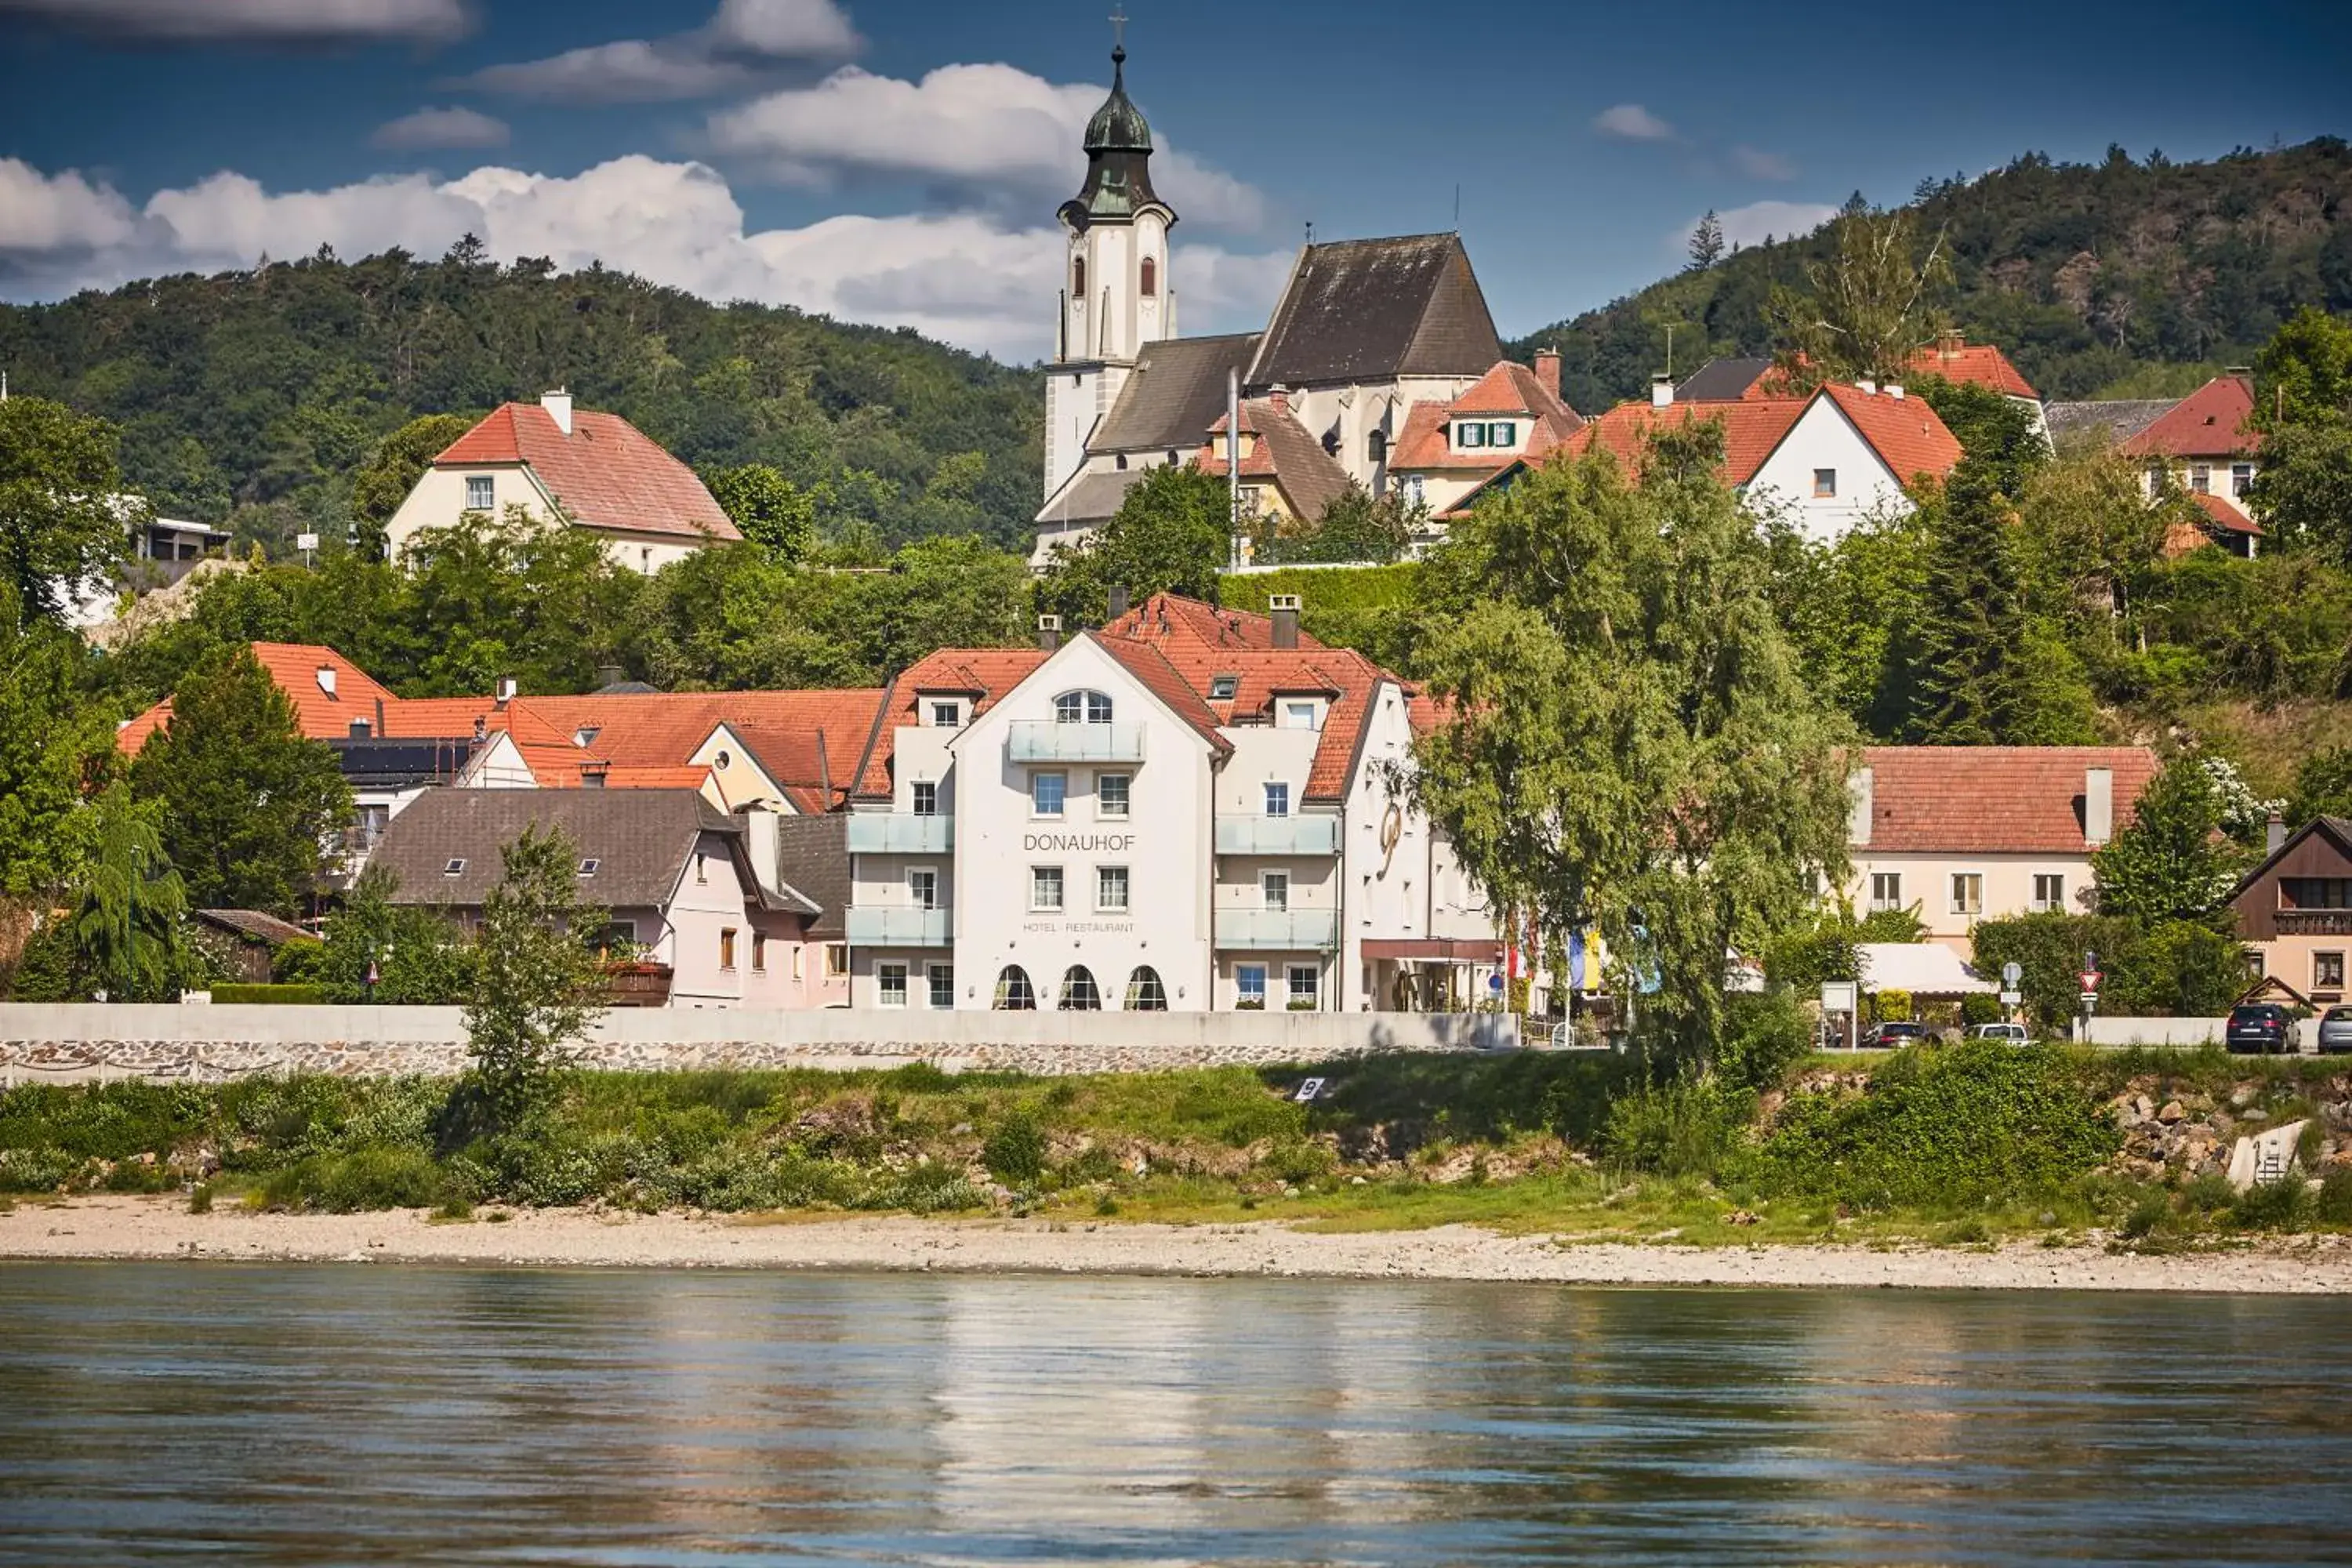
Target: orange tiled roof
[(2208, 423), (606, 473), (1752, 428), (294, 667), (663, 729), (1992, 800), (1509, 388), (1177, 621), (1149, 664), (1907, 434), (2224, 515), (1342, 674), (1979, 364)]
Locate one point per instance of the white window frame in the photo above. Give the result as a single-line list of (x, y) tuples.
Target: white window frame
[(946, 715), (2055, 882), (2241, 480), (1301, 713), (1104, 807), (923, 888), (924, 796), (1268, 898), (887, 975), (2319, 958), (1503, 434), (1038, 878), (1061, 803), (482, 486), (1885, 890), (1107, 877), (1825, 484), (1243, 974), (939, 977), (1277, 798), (1313, 991), (1416, 490), (2200, 478), (1469, 435), (1968, 893)]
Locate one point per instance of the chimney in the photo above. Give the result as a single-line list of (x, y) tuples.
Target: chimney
[(2098, 806), (1895, 390), (1948, 343), (1049, 632), (823, 771), (1548, 370), (1662, 391), (1118, 600), (326, 681), (358, 728), (506, 689), (760, 838), (608, 674), (1283, 608), (1280, 397), (2274, 837), (558, 404), (1869, 388), (1862, 800)]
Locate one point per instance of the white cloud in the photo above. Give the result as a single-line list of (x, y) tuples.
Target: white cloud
[(286, 22), (987, 134), (962, 277), (742, 45), (1760, 164), (1631, 122), (1760, 221), (452, 127)]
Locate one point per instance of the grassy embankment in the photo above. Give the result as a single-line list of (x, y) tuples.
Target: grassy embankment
[(1961, 1145)]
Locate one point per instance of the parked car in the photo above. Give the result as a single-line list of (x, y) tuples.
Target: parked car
[(2261, 1027), (2335, 1031), (1886, 1036), (2014, 1033)]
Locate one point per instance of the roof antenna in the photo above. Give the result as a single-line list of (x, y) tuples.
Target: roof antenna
[(1457, 206)]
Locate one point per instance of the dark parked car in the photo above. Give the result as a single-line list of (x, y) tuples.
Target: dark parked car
[(2261, 1027), (2334, 1031), (1889, 1036)]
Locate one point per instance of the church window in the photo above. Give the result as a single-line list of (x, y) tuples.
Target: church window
[(1078, 280), (1376, 445), (1151, 277)]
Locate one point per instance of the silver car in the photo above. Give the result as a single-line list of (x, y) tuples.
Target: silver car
[(2015, 1034), (2335, 1031)]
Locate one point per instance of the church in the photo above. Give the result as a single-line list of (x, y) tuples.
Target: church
[(1368, 334)]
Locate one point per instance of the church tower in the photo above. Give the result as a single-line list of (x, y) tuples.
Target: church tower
[(1115, 295)]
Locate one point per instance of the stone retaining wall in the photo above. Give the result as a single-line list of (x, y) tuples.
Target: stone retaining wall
[(83, 1042)]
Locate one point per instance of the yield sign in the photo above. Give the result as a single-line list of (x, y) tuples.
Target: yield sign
[(2090, 979)]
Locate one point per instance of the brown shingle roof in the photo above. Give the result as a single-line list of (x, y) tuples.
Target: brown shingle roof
[(1994, 800), (1372, 309), (1284, 452), (1176, 392), (606, 473), (640, 839)]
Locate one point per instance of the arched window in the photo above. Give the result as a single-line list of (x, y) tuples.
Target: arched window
[(1144, 991), (1151, 277), (1376, 445), (1014, 993), (1082, 708), (1079, 279), (1078, 993)]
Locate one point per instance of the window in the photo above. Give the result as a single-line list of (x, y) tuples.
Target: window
[(588, 867), (727, 948), (1045, 889), (1415, 491), (1249, 984), (923, 890), (2314, 893), (1078, 993), (946, 715), (1078, 280), (1223, 688), (1277, 800), (1144, 991), (837, 960), (2327, 972), (1305, 985), (1887, 890), (1046, 793), (481, 492), (2200, 478), (927, 798), (941, 977), (723, 761), (1082, 707), (890, 984), (1376, 446), (1825, 483), (1300, 715), (1273, 889), (616, 933), (2049, 891), (1151, 280), (1502, 432), (759, 953), (2241, 480), (1110, 890), (1968, 893), (1253, 501), (1467, 435), (455, 868), (797, 969), (1014, 992), (701, 869), (1111, 795)]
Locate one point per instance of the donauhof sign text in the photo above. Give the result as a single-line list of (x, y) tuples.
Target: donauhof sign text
[(1078, 843)]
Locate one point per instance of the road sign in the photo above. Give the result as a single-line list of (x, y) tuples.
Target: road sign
[(1309, 1091), (2090, 979), (2010, 974), (306, 542), (2011, 998), (1838, 995)]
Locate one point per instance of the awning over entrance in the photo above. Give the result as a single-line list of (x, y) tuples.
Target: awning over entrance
[(1435, 949)]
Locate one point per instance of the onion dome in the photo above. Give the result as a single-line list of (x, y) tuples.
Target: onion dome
[(1118, 159)]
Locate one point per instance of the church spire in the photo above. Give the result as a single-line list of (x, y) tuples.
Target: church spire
[(1118, 152)]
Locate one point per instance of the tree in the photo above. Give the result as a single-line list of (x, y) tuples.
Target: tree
[(1173, 534), (418, 957), (538, 980), (1707, 242), (2323, 786), (2303, 491), (2304, 374), (1831, 947), (1960, 658), (1353, 528), (1998, 434), (63, 520), (247, 805), (2171, 862), (55, 747), (1870, 305), (130, 938), (768, 510), (392, 470), (2048, 948), (1632, 747)]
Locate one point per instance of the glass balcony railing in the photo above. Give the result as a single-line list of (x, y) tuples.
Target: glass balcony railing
[(1287, 931), (1044, 741), (901, 928), (1277, 836), (899, 833)]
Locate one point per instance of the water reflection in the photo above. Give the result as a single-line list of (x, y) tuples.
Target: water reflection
[(282, 1415)]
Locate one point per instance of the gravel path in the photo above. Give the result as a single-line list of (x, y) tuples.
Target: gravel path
[(162, 1228)]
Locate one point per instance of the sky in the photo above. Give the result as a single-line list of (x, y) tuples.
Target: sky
[(898, 162)]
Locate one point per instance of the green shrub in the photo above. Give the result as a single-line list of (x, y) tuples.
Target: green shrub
[(926, 1188), (41, 1170), (2283, 1205), (279, 995), (1014, 1151), (138, 1176), (200, 1198), (1979, 1008), (1299, 1164), (1096, 1164), (2153, 1209), (364, 1180), (1763, 1035), (298, 962), (2334, 1204), (1682, 1127)]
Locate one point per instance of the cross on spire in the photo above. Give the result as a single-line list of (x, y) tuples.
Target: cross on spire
[(1118, 26)]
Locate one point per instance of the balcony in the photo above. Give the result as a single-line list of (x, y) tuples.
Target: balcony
[(1278, 930), (898, 832), (1044, 741), (1277, 835), (901, 928), (637, 984), (2314, 922)]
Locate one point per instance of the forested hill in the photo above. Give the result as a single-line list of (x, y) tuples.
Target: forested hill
[(251, 397), (2118, 277)]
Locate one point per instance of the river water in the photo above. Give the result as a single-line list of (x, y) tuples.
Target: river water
[(351, 1415)]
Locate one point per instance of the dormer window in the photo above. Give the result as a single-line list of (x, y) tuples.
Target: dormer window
[(946, 715), (1469, 436), (1221, 687), (1082, 708), (585, 735), (1503, 433), (588, 868)]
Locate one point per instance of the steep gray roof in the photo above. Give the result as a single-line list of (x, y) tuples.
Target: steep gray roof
[(1176, 393), (2111, 419), (1091, 496), (1371, 310), (1721, 380), (812, 856), (254, 926), (640, 839)]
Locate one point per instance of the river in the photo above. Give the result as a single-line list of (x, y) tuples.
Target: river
[(153, 1412)]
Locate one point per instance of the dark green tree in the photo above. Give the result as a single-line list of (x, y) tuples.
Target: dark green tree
[(1354, 528), (64, 521), (2323, 786), (393, 467), (2304, 374), (1707, 242), (769, 509), (128, 922), (2302, 489), (247, 807), (539, 983), (420, 959), (1998, 434), (57, 747), (2171, 861), (1173, 534), (1962, 657)]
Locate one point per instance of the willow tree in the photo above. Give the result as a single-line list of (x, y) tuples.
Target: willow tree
[(1870, 305), (128, 926), (1631, 748)]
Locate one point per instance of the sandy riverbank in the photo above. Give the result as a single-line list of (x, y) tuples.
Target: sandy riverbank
[(124, 1228)]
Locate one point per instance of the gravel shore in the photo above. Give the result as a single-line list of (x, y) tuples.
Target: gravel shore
[(124, 1228)]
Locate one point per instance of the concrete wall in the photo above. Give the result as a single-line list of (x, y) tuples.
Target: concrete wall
[(76, 1042), (2183, 1031)]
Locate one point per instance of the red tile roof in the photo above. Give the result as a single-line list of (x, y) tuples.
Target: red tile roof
[(1993, 800), (1151, 665), (1182, 622), (650, 730), (1512, 388), (606, 473), (294, 667), (1979, 364), (1752, 428), (1907, 434), (2224, 515), (1509, 388), (2208, 423), (1342, 674)]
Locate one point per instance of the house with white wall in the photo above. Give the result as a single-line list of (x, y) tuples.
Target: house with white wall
[(2201, 445)]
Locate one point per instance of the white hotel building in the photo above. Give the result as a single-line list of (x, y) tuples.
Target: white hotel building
[(1191, 809)]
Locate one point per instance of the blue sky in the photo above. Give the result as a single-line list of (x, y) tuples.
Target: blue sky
[(900, 162)]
